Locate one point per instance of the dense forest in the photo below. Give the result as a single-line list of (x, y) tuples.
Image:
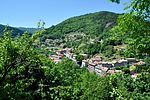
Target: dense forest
[(30, 30), (93, 24), (14, 32), (27, 73)]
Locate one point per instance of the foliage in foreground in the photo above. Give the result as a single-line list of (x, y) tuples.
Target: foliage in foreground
[(25, 73)]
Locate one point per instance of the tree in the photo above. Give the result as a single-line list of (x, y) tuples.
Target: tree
[(117, 1), (139, 7), (135, 29), (21, 67), (79, 58)]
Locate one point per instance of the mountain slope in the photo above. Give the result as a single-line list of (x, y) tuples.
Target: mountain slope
[(15, 31), (93, 24), (86, 34), (30, 30)]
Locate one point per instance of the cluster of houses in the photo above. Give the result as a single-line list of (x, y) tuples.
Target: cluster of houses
[(103, 68), (96, 63), (59, 54)]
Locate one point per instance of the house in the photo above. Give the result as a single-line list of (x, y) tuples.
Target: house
[(84, 55), (56, 58), (61, 55), (119, 64), (102, 71), (123, 61), (53, 57), (107, 64), (96, 59), (84, 63), (91, 66), (97, 68), (60, 51), (131, 60)]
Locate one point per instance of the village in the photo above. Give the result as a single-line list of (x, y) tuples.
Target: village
[(96, 63)]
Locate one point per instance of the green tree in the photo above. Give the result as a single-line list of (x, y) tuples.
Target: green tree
[(135, 28), (21, 67), (79, 58)]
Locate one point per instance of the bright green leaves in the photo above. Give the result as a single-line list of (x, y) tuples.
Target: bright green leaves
[(21, 66), (141, 7), (135, 31), (125, 87), (138, 7)]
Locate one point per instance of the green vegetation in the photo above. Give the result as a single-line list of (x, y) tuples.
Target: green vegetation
[(79, 58), (93, 24), (134, 29), (27, 73), (14, 31), (87, 33), (30, 30)]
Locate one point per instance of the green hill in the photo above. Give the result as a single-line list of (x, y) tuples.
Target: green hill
[(87, 33), (14, 32), (30, 30), (93, 24)]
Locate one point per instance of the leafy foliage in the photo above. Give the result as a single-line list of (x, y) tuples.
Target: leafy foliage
[(134, 28), (27, 73)]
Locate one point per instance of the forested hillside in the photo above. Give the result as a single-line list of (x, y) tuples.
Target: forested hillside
[(30, 30), (85, 34), (28, 73), (93, 24), (14, 31)]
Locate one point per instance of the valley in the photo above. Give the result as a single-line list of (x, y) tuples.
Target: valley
[(89, 50)]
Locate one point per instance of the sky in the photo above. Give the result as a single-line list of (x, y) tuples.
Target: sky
[(26, 13)]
